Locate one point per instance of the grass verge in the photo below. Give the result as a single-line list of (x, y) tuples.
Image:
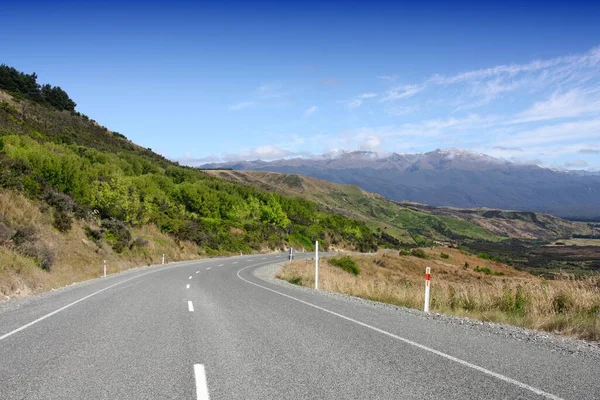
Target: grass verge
[(566, 306)]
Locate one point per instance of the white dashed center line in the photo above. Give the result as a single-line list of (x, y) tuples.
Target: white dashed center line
[(201, 386), (235, 262), (190, 306), (208, 268), (197, 272), (220, 265), (188, 286), (190, 277)]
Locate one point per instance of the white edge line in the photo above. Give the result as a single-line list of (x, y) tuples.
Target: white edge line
[(197, 272), (190, 306), (201, 385), (208, 268), (190, 277), (188, 286), (220, 265), (410, 342)]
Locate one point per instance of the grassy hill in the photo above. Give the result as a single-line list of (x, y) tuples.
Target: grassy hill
[(90, 191), (412, 223)]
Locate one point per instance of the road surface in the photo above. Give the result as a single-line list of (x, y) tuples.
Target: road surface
[(212, 329)]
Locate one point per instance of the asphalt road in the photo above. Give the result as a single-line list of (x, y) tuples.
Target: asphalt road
[(211, 328)]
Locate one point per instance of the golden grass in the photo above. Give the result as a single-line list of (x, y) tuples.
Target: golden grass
[(567, 306), (77, 257)]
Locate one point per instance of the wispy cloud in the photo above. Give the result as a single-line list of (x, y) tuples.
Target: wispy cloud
[(401, 92), (242, 106), (358, 100), (268, 94), (577, 164), (573, 103), (310, 111)]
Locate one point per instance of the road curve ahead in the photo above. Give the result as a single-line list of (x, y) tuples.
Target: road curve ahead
[(212, 329)]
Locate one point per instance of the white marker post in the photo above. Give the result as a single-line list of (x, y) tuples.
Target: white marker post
[(163, 258), (427, 288), (104, 263), (317, 265)]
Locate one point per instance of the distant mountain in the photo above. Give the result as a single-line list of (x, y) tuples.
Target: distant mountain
[(452, 177)]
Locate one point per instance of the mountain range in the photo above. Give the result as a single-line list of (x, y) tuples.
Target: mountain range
[(451, 177)]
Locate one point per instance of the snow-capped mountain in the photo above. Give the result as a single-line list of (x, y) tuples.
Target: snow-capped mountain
[(450, 177)]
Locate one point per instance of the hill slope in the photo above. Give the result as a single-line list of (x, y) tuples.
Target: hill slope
[(454, 177), (85, 184), (409, 221)]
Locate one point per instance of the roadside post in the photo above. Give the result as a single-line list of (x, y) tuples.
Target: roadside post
[(427, 288), (291, 254), (317, 264), (163, 258), (104, 264)]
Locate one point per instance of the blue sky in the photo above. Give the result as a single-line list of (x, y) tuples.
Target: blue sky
[(234, 80)]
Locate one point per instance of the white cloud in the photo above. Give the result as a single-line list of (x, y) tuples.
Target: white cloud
[(358, 101), (371, 143), (576, 131), (354, 103), (242, 106), (310, 111), (367, 95), (577, 164), (572, 103), (402, 92)]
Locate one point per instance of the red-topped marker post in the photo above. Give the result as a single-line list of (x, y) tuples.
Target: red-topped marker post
[(427, 288)]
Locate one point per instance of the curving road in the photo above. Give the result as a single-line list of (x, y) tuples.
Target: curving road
[(212, 329)]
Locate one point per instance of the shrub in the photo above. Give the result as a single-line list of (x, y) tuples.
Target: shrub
[(296, 280), (419, 253), (483, 256), (444, 255), (404, 252), (487, 271), (94, 234), (62, 220), (466, 266), (6, 234), (24, 234), (346, 263), (59, 200), (116, 234), (42, 254), (138, 242)]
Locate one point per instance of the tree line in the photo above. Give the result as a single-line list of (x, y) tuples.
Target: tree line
[(26, 86)]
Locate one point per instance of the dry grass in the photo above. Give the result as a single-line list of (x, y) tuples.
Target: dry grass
[(566, 306), (77, 257)]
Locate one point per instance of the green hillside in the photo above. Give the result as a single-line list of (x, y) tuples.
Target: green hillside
[(409, 222), (81, 175)]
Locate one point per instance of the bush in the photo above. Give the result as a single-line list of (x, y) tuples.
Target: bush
[(59, 200), (42, 254), (487, 271), (24, 234), (346, 263), (62, 220), (94, 234), (419, 253), (484, 256), (444, 255), (404, 252), (6, 234), (138, 242), (117, 234)]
